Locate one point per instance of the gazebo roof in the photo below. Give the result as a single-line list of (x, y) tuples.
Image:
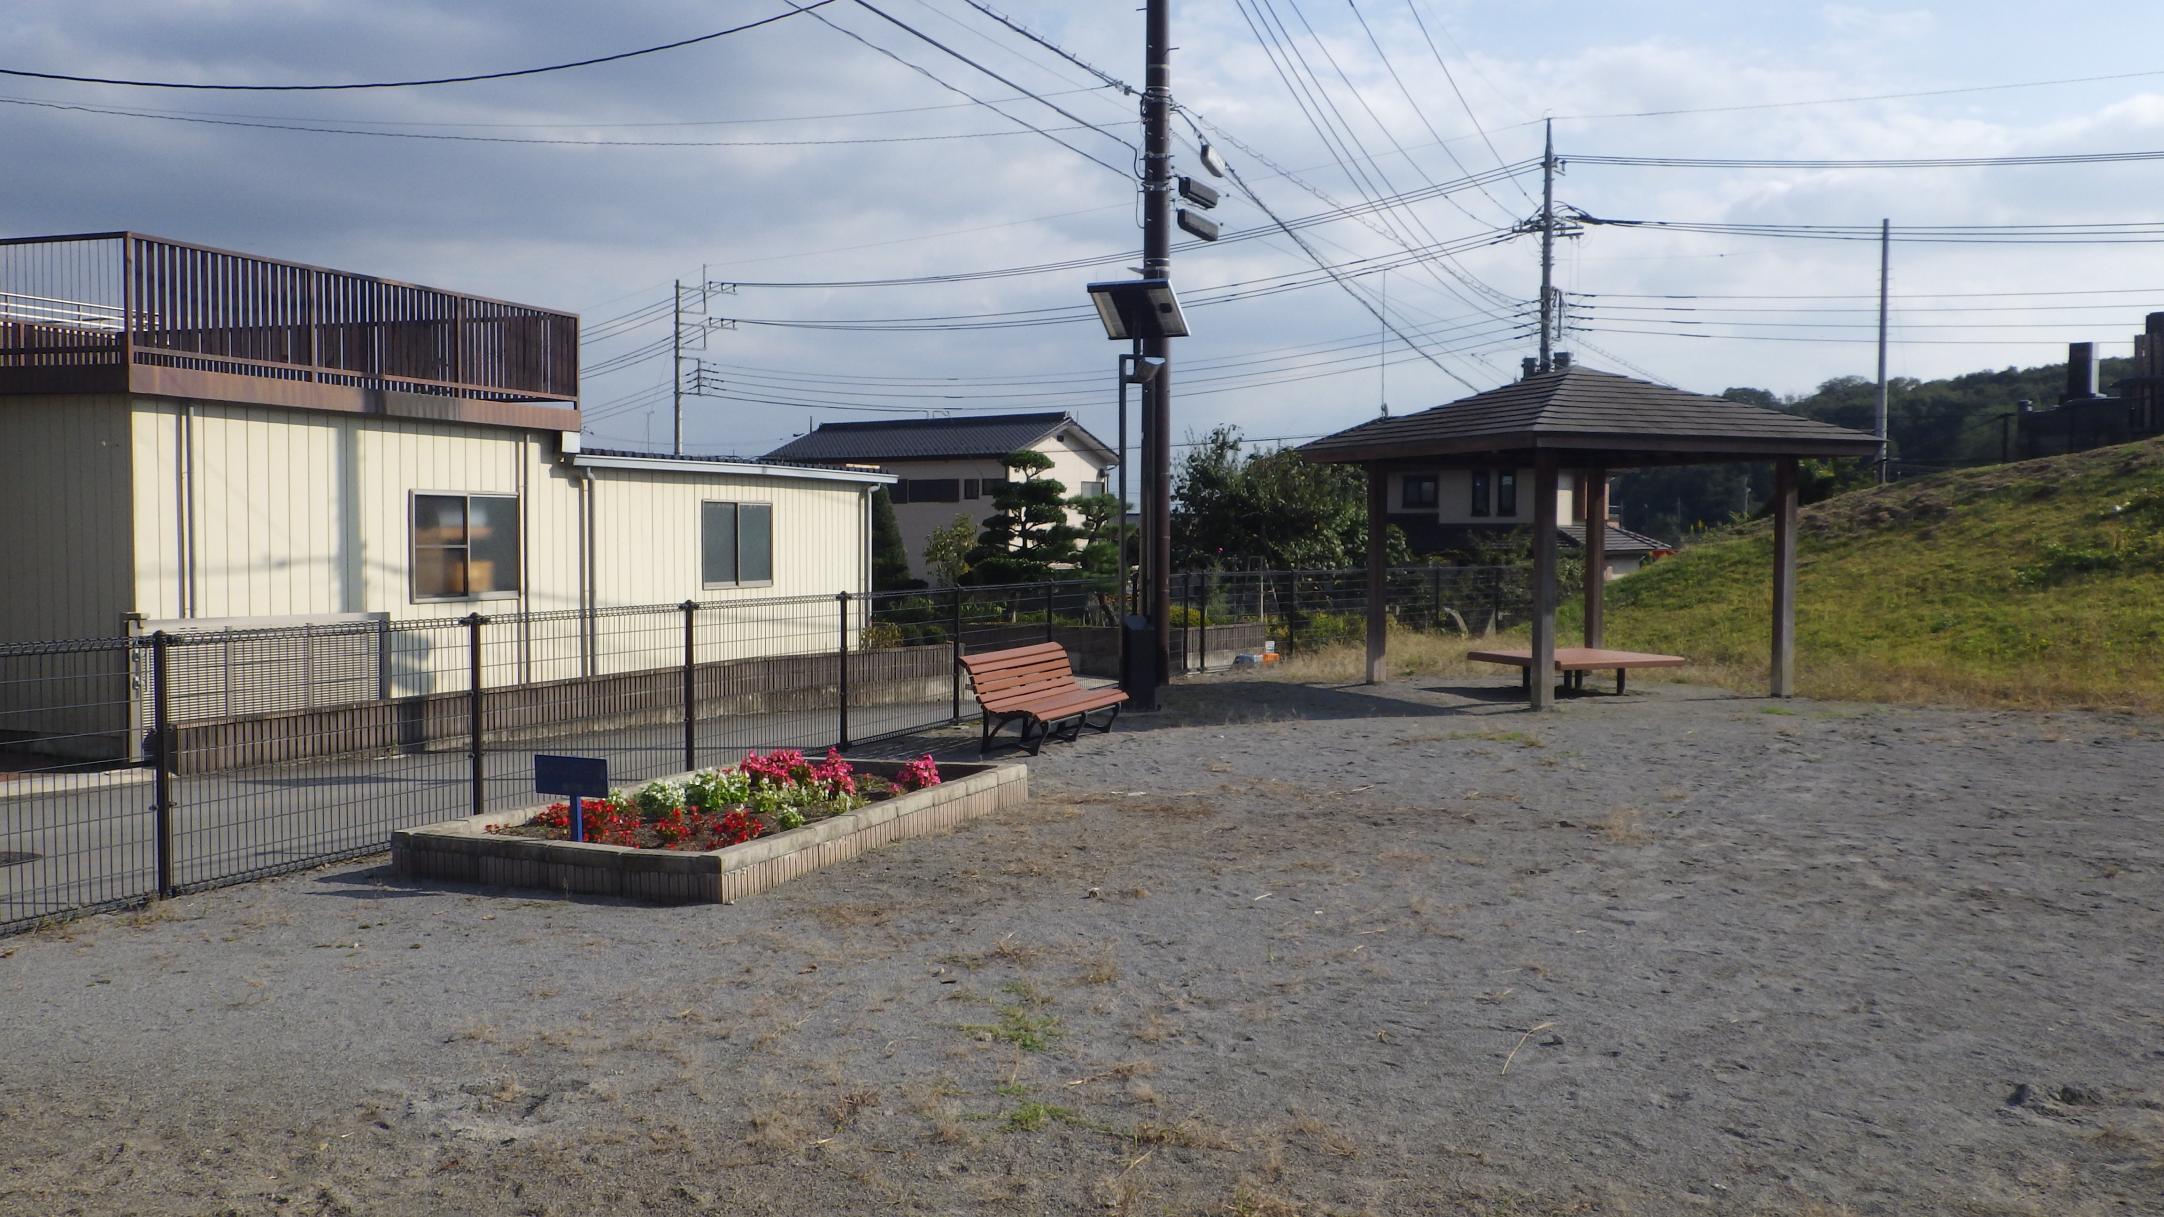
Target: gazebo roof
[(1601, 417)]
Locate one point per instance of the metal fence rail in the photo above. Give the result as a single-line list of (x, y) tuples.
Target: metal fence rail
[(132, 768)]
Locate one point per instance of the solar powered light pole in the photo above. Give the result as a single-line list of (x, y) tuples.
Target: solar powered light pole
[(1143, 311)]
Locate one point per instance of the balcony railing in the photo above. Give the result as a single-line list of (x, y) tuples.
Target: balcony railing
[(122, 312)]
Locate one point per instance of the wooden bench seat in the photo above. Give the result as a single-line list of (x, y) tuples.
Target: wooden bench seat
[(1575, 662), (1035, 686)]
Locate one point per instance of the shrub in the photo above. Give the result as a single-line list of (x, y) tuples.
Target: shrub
[(917, 774)]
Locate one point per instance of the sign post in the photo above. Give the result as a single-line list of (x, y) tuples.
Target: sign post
[(577, 778)]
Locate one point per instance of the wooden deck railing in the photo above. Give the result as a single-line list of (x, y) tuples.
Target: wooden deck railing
[(112, 311)]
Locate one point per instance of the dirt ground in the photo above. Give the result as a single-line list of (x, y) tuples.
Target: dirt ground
[(1282, 950)]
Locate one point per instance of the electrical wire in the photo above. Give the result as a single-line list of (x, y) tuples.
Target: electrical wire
[(1463, 104), (410, 84), (554, 141), (1928, 162), (1842, 101), (935, 78)]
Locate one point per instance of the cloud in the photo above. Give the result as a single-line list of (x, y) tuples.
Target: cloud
[(1876, 23)]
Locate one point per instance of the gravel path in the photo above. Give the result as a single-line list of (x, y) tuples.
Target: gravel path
[(1282, 950)]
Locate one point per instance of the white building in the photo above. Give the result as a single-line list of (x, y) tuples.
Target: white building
[(1448, 510), (196, 439), (948, 467)]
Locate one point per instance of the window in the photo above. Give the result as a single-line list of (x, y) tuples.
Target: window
[(1480, 492), (465, 546), (931, 490), (1092, 489), (898, 493), (972, 489), (1417, 491), (1506, 492), (736, 544)]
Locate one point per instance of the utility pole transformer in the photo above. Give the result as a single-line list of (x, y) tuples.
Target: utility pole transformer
[(1547, 252), (1157, 188)]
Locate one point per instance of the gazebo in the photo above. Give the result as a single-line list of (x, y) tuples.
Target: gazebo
[(1596, 422)]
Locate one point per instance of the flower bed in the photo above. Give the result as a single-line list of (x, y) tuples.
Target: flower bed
[(890, 802), (716, 808)]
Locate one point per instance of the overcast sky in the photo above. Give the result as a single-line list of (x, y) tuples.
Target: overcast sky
[(602, 229)]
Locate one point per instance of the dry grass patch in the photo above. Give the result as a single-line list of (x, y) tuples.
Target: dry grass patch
[(1324, 1137), (1623, 826), (1190, 1133), (1102, 968)]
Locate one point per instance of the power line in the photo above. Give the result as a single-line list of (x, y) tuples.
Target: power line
[(1939, 162), (2138, 232), (935, 78), (1453, 80), (409, 84), (554, 141)]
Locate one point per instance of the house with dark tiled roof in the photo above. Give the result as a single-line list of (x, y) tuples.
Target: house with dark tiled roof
[(948, 467)]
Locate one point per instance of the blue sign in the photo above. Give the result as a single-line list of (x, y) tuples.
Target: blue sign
[(574, 777)]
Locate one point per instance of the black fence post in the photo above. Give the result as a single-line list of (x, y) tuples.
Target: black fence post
[(161, 756), (842, 657), (1187, 621), (1048, 585), (955, 624), (476, 756), (691, 692), (1202, 627), (1435, 605)]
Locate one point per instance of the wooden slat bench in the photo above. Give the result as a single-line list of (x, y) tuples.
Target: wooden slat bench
[(1035, 685), (1575, 662)]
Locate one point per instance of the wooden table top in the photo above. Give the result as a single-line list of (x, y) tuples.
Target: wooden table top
[(1571, 659)]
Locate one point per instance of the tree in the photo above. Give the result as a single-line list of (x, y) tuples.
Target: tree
[(1028, 531), (946, 551), (890, 559), (1275, 509), (1099, 536)]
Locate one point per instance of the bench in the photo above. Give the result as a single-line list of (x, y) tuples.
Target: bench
[(1035, 685), (1575, 662)]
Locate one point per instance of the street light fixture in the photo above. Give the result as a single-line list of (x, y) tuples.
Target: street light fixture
[(1138, 309)]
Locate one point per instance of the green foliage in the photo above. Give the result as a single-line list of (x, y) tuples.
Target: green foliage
[(1271, 509), (946, 551), (2128, 537), (1099, 539), (1950, 422), (716, 789), (908, 622), (655, 798), (890, 559), (1028, 530)]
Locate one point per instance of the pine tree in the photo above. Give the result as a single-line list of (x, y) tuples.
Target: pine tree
[(890, 558), (1028, 531)]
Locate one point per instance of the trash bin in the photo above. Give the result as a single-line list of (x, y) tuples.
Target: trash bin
[(1138, 662)]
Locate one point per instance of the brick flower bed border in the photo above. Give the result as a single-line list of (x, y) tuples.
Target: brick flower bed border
[(465, 851)]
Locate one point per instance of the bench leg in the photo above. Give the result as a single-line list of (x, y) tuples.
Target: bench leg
[(1619, 681), (1526, 682)]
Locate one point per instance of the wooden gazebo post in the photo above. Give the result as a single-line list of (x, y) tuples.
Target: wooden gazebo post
[(1378, 572), (1543, 670), (1784, 577), (1596, 556)]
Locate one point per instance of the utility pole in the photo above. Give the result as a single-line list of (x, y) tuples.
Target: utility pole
[(1547, 252), (1157, 264), (1885, 261), (676, 365)]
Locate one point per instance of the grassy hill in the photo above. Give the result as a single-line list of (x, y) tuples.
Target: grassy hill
[(2032, 584)]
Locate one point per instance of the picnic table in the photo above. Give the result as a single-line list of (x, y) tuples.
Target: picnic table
[(1575, 662)]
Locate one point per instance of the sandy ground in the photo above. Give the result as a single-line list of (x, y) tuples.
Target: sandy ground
[(1284, 950)]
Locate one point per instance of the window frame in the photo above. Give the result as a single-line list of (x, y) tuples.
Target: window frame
[(414, 547), (1482, 494), (1429, 501), (1506, 494), (699, 544)]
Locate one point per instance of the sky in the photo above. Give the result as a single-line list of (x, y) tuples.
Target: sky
[(838, 145)]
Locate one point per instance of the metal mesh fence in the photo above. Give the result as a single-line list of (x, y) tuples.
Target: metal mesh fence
[(185, 759)]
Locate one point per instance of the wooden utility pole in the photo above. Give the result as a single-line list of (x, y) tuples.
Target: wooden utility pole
[(1157, 264), (676, 366), (1547, 252), (1885, 262)]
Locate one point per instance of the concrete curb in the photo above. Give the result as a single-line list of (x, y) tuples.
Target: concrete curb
[(464, 851)]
